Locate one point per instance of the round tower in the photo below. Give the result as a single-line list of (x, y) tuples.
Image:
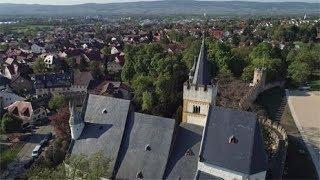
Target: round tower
[(76, 122)]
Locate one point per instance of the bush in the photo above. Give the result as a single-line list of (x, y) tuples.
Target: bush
[(7, 156), (9, 123), (56, 102)]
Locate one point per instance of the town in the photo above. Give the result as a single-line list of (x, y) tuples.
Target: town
[(159, 97)]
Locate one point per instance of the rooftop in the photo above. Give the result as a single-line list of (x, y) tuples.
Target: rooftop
[(146, 146), (105, 119), (232, 140), (183, 159), (52, 80), (201, 74)]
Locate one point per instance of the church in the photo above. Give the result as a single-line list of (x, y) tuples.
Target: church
[(210, 142)]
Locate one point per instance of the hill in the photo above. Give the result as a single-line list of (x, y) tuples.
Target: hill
[(166, 7)]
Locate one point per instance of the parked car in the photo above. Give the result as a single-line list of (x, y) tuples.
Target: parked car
[(36, 151), (48, 136), (43, 142)]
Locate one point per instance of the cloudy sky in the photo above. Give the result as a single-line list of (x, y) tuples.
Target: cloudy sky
[(64, 2)]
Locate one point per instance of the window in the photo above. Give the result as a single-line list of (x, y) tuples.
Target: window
[(196, 109)]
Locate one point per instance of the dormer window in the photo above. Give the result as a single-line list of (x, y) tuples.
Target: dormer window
[(233, 140), (148, 148), (139, 175)]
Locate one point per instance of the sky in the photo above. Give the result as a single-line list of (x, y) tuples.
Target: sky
[(69, 2)]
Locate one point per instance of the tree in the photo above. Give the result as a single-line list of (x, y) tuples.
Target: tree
[(56, 152), (105, 51), (236, 40), (93, 167), (39, 66), (60, 122), (71, 61), (298, 72), (247, 74), (95, 68), (9, 123), (147, 102), (56, 102)]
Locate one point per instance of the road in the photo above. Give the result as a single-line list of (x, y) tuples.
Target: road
[(25, 152), (16, 168), (305, 109)]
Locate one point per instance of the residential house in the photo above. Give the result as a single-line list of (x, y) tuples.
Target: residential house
[(51, 60), (22, 86), (9, 98), (62, 83), (37, 49), (24, 111), (4, 83), (10, 69), (21, 109)]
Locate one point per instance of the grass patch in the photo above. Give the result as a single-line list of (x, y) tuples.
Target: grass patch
[(7, 155)]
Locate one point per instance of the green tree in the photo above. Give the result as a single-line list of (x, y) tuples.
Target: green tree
[(105, 51), (57, 101), (298, 72), (247, 74), (95, 68), (39, 66), (9, 123), (147, 101), (93, 167), (71, 61)]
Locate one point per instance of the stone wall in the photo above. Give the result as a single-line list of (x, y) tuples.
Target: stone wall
[(278, 158), (247, 101)]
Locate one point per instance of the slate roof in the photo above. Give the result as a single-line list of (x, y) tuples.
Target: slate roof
[(247, 155), (145, 131), (4, 81), (181, 165), (52, 80), (204, 176), (105, 119), (82, 78), (201, 74)]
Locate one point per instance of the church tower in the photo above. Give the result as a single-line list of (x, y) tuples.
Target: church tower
[(199, 93), (76, 121)]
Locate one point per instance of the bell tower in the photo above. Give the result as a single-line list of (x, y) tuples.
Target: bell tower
[(199, 93)]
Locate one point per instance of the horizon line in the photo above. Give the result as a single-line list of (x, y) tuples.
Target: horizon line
[(136, 1)]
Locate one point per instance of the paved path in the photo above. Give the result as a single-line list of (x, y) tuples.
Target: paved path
[(305, 110), (16, 168)]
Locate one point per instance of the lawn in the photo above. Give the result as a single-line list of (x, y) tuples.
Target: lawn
[(7, 155)]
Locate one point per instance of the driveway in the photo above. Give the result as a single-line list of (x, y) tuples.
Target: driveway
[(25, 152), (305, 109), (16, 168)]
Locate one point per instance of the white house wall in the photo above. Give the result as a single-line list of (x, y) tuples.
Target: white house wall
[(228, 174)]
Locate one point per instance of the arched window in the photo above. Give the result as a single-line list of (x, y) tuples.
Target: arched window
[(196, 109)]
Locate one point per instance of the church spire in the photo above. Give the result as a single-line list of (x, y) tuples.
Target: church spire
[(201, 74)]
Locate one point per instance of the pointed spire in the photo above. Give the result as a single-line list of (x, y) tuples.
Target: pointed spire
[(201, 76)]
